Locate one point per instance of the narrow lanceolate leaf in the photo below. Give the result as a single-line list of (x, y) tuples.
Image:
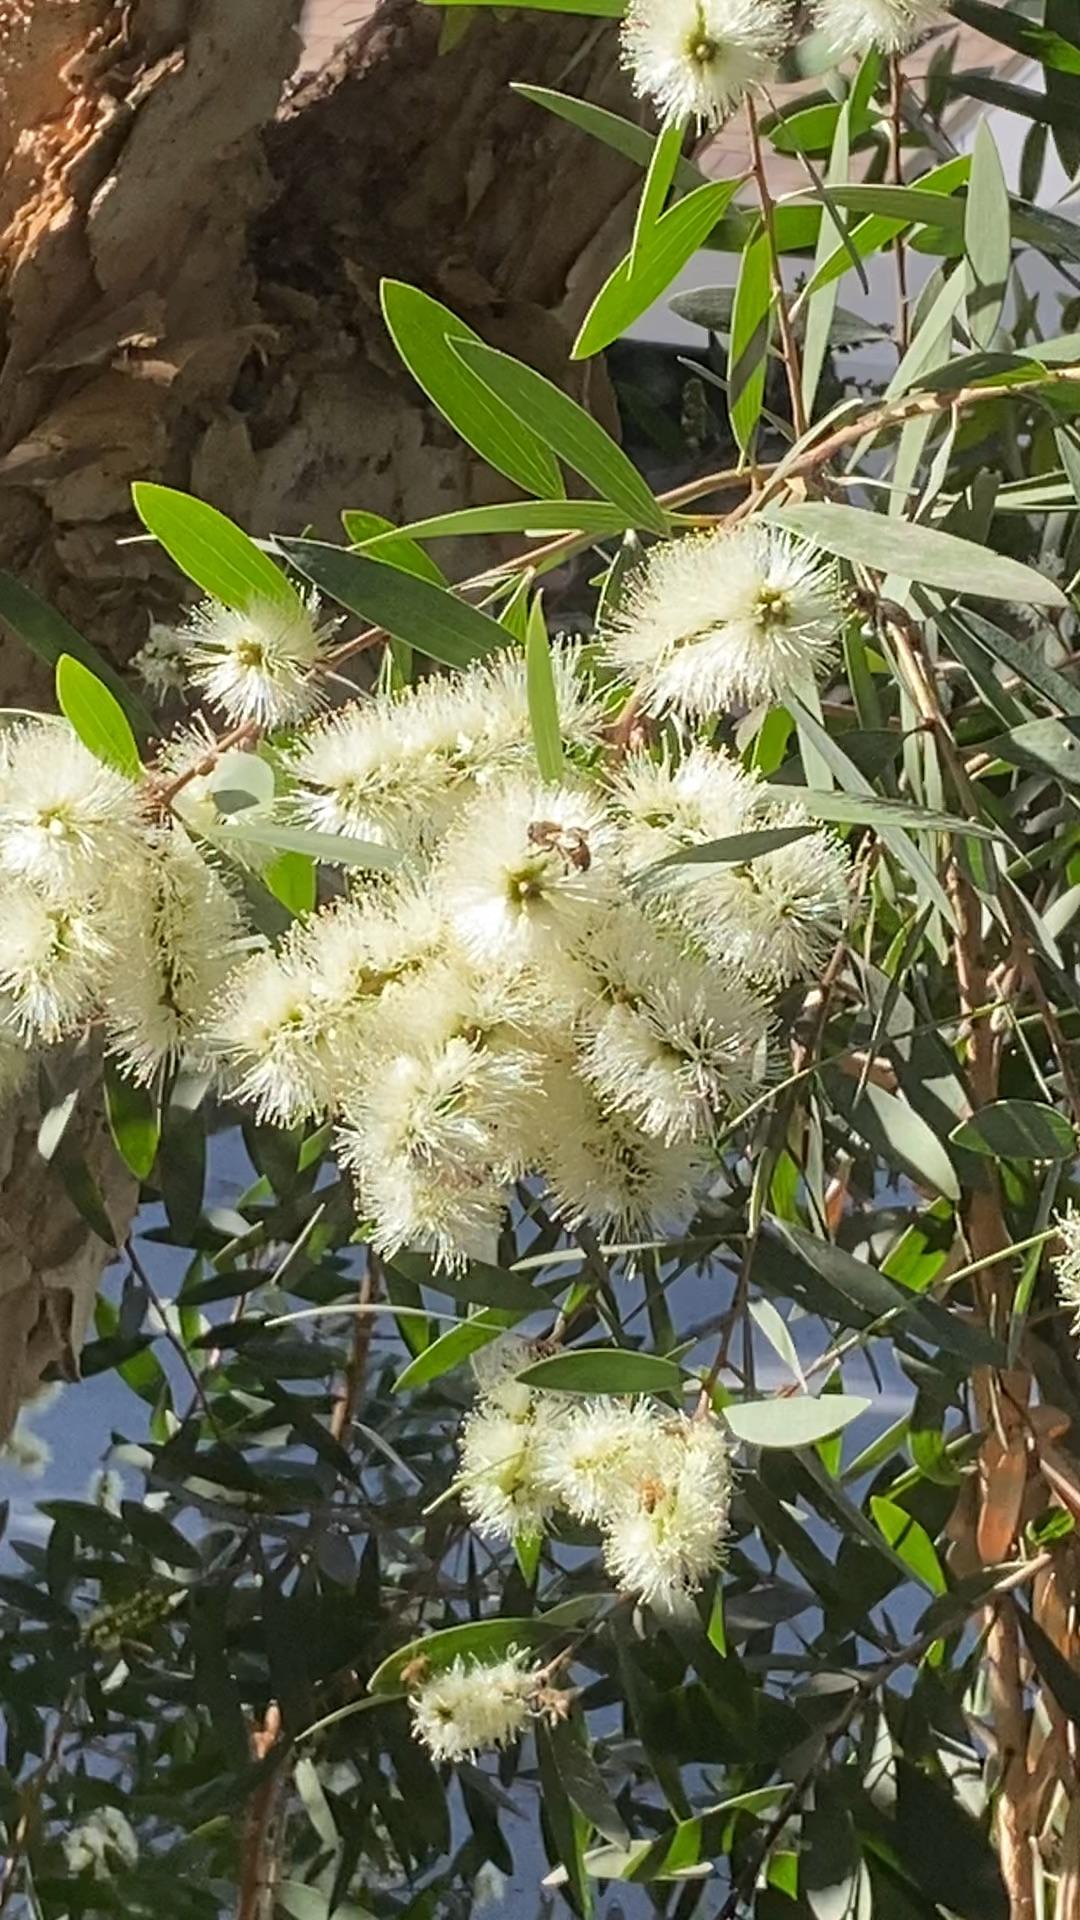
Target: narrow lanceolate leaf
[(734, 850), (133, 1121), (567, 429), (799, 1420), (543, 705), (877, 229), (1011, 28), (433, 621), (987, 239), (605, 1370), (540, 518), (918, 553), (98, 718), (640, 279), (425, 333), (49, 635), (822, 304), (379, 536), (870, 810), (336, 849), (750, 325), (911, 1541), (476, 1639), (212, 550), (611, 129), (1017, 1130), (655, 187)]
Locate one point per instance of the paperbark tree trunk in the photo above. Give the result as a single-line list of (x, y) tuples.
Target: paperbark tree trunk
[(190, 251)]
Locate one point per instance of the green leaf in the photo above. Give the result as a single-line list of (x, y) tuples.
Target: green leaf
[(799, 1420), (987, 237), (292, 879), (684, 1845), (876, 231), (432, 620), (568, 430), (656, 186), (455, 1346), (211, 550), (477, 1640), (97, 717), (1011, 29), (889, 1124), (336, 849), (379, 536), (914, 552), (479, 1283), (539, 517), (633, 286), (1017, 1130), (735, 850), (1023, 657), (911, 1541), (584, 1782), (605, 1370), (822, 304), (543, 705), (50, 636), (611, 129), (872, 810), (425, 334), (133, 1121), (750, 327), (944, 1850), (1046, 746), (1058, 1673)]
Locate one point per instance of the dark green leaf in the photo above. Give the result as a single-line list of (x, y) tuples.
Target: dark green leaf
[(49, 636), (435, 622), (543, 704), (1017, 1130), (476, 1640), (605, 1370)]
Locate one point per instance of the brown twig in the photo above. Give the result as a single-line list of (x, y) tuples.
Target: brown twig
[(896, 164), (345, 1405), (259, 1866)]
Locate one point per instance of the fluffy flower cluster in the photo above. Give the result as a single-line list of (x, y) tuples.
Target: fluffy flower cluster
[(474, 1705), (1067, 1265), (697, 59), (512, 1003), (105, 914), (890, 26), (728, 618), (658, 1485)]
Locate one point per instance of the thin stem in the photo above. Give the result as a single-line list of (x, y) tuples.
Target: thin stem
[(896, 167), (792, 358)]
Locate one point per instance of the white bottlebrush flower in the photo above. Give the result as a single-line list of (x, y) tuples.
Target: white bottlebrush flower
[(1067, 1264), (717, 620), (449, 1108), (181, 937), (101, 1844), (603, 1169), (890, 26), (666, 1531), (695, 59), (502, 1480), (68, 823), (598, 1450), (672, 1040), (53, 961), (773, 916), (259, 664), (454, 1217), (495, 1369), (472, 1706), (161, 662), (358, 955), (525, 870), (267, 1030), (373, 772), (502, 686)]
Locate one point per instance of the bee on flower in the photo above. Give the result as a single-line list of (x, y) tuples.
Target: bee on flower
[(696, 59)]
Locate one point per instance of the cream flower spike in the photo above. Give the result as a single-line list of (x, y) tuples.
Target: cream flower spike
[(889, 26), (695, 59), (258, 665)]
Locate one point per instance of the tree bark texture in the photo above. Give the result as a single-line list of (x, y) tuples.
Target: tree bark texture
[(190, 252)]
